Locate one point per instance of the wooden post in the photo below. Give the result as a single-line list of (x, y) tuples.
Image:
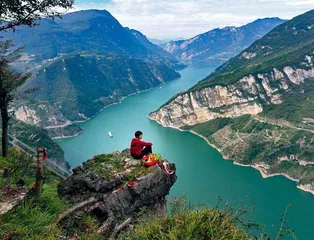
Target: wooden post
[(6, 175), (39, 171)]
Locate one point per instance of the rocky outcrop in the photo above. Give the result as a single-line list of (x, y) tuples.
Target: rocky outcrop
[(119, 194), (11, 198), (307, 187), (247, 96)]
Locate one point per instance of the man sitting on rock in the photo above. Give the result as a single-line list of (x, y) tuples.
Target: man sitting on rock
[(140, 148)]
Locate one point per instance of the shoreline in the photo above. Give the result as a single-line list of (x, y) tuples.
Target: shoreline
[(90, 118), (258, 167), (66, 137)]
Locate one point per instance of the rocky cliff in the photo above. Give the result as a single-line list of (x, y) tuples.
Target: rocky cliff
[(116, 188), (246, 96), (254, 108)]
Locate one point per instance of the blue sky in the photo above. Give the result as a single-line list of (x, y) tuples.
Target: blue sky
[(169, 19)]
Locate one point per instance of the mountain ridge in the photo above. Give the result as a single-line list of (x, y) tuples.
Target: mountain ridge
[(88, 30), (220, 44)]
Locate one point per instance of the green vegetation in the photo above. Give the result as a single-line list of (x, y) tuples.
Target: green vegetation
[(248, 141), (109, 165), (296, 104), (34, 219), (285, 45), (189, 222), (22, 167), (38, 218), (35, 136), (96, 31), (85, 83)]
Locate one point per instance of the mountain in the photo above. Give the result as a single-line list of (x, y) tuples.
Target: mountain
[(255, 108), (158, 41), (219, 45), (90, 30), (76, 87), (81, 64), (163, 42), (148, 44)]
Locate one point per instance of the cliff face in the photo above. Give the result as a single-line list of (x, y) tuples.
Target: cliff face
[(114, 188), (255, 108), (270, 144), (247, 96)]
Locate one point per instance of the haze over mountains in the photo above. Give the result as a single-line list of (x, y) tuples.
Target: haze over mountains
[(256, 107), (219, 45)]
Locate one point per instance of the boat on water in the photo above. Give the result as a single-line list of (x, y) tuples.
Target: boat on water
[(110, 134)]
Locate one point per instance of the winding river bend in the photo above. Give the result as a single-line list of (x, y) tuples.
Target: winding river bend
[(203, 175)]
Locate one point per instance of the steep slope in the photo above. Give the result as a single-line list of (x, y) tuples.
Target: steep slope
[(255, 107), (82, 63), (148, 44), (90, 30), (219, 45), (76, 87), (27, 137)]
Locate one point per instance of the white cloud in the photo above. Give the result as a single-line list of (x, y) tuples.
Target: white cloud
[(166, 19)]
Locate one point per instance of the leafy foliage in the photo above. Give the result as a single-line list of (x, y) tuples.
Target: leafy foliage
[(26, 12)]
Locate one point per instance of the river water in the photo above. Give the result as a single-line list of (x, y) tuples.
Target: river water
[(203, 175)]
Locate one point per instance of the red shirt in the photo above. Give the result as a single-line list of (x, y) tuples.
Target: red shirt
[(137, 146)]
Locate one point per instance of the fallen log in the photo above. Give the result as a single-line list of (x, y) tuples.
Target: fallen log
[(118, 228), (76, 208)]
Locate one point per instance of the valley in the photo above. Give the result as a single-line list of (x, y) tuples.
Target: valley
[(228, 115), (203, 174), (255, 109)]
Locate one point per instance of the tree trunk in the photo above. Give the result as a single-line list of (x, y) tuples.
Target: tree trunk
[(5, 123)]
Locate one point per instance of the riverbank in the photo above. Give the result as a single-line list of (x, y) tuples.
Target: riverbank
[(261, 167), (90, 118)]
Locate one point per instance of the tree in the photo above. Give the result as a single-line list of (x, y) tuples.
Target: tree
[(14, 13), (10, 81)]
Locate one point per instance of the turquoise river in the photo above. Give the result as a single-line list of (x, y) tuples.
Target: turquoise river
[(203, 175)]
